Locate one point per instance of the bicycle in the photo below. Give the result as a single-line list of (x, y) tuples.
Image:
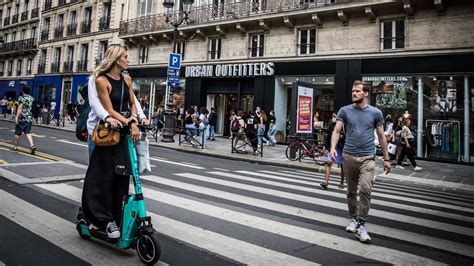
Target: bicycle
[(306, 148)]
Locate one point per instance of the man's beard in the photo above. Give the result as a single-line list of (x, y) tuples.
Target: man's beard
[(358, 100)]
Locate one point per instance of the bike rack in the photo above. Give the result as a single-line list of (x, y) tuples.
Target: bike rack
[(246, 142)]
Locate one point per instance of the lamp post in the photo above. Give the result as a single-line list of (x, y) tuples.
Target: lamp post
[(170, 124)]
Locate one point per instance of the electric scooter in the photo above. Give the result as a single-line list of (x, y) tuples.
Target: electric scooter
[(136, 231)]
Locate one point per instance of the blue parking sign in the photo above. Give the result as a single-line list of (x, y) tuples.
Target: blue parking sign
[(174, 61)]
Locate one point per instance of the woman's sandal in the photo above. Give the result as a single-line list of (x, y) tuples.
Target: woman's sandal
[(13, 149), (32, 150), (324, 186)]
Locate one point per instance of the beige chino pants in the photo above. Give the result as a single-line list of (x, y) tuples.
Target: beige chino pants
[(359, 173)]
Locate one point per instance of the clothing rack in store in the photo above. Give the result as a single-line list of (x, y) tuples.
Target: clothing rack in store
[(443, 131)]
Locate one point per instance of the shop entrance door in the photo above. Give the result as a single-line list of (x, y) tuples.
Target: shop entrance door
[(224, 105)]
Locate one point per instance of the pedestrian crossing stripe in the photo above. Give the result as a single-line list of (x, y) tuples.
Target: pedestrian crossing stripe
[(314, 215), (225, 246), (429, 199), (327, 203), (377, 201)]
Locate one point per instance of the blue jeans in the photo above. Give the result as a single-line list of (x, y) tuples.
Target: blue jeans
[(260, 132), (271, 134), (190, 130), (212, 132), (202, 135), (90, 146)]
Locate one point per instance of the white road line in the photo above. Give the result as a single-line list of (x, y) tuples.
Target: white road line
[(383, 188), (60, 232), (73, 143), (342, 206), (438, 243), (38, 136), (379, 201), (176, 163), (215, 243), (28, 163)]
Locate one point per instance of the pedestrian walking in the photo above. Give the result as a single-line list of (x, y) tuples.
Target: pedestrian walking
[(251, 126), (272, 128), (212, 124), (71, 112), (189, 124), (231, 118), (262, 120), (338, 156), (3, 106), (203, 123), (12, 106), (24, 119), (407, 143), (237, 128), (359, 121)]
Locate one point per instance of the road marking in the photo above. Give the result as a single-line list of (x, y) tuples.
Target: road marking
[(204, 239), (377, 201), (221, 169), (161, 158), (176, 163), (387, 188), (3, 161), (29, 163), (190, 163), (458, 248), (52, 137), (60, 232), (38, 136), (343, 206), (73, 143), (152, 165)]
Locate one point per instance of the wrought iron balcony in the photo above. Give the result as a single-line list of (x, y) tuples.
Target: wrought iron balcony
[(71, 29), (48, 4), (55, 67), (41, 68), (34, 13), (15, 19), (44, 35), (19, 46), (82, 66), (86, 26), (24, 16), (104, 23), (219, 12), (68, 66), (6, 21), (58, 32)]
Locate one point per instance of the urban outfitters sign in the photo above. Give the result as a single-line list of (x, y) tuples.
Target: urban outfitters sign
[(231, 70)]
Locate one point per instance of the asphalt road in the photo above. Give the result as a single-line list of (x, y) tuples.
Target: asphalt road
[(212, 211)]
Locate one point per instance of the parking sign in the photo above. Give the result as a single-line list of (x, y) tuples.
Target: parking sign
[(174, 61)]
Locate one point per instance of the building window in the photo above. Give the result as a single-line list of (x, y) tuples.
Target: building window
[(256, 45), (143, 57), (392, 34), (10, 68), (179, 48), (307, 41), (103, 45), (145, 7), (215, 48), (29, 67), (19, 65)]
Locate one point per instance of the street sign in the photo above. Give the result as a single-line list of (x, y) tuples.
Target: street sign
[(174, 61), (173, 78)]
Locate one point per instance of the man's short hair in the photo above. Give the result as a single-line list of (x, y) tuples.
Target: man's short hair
[(365, 86), (25, 89)]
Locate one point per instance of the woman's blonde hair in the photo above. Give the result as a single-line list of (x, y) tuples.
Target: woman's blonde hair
[(114, 52)]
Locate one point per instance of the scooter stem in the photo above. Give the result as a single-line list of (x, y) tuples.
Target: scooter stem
[(136, 177)]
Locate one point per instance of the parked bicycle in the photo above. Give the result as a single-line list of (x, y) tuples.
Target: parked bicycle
[(303, 148)]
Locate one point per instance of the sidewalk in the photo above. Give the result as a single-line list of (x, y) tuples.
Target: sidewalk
[(446, 175)]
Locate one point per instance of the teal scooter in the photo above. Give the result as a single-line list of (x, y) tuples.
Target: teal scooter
[(137, 230)]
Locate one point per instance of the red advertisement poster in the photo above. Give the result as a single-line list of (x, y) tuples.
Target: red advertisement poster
[(304, 115)]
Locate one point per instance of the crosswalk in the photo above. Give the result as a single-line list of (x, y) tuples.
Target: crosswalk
[(272, 217)]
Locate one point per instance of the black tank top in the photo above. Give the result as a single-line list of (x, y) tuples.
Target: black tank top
[(116, 94)]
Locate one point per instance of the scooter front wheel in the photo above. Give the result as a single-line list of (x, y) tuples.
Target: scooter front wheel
[(148, 248)]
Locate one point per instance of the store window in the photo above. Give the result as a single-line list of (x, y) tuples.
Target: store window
[(307, 41), (215, 48), (256, 45), (392, 34)]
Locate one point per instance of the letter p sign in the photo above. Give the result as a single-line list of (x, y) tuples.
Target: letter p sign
[(174, 61)]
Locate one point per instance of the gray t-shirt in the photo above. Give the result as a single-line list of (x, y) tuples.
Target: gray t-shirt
[(359, 125)]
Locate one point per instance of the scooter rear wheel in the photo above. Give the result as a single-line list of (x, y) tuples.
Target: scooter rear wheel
[(148, 249)]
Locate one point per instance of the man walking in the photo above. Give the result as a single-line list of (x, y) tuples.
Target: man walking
[(24, 119), (360, 120)]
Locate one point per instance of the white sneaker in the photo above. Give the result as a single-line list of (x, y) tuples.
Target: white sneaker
[(417, 168), (352, 227), (362, 234), (112, 230), (400, 167)]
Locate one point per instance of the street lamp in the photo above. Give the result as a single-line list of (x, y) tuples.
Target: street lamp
[(170, 124)]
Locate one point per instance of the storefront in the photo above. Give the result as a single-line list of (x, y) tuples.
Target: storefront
[(12, 88), (47, 89)]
